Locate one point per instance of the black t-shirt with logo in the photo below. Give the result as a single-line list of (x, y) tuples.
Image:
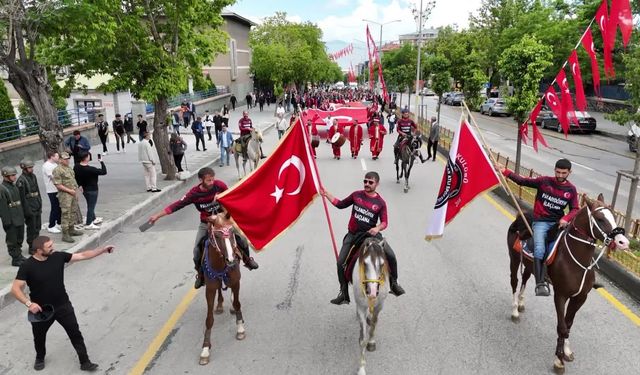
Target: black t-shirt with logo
[(46, 278)]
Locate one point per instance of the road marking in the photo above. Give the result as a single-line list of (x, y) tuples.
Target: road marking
[(364, 164), (157, 342), (583, 166), (603, 292)]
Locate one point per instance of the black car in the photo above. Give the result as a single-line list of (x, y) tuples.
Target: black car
[(547, 120)]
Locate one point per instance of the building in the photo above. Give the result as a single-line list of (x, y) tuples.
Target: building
[(232, 69), (427, 35)]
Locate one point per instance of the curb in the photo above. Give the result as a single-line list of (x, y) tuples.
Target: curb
[(110, 229)]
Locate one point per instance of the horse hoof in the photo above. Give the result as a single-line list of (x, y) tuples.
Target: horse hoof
[(520, 308), (406, 190), (515, 318), (569, 358), (219, 310), (397, 182), (371, 347), (204, 361), (240, 336), (558, 366)]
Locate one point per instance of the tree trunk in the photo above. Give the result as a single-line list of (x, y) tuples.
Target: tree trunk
[(633, 189), (518, 148), (161, 139), (30, 81)]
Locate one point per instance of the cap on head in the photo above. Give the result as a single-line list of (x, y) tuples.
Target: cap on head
[(26, 163), (65, 155), (9, 171)]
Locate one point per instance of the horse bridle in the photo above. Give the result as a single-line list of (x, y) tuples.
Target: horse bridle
[(364, 281), (227, 232)]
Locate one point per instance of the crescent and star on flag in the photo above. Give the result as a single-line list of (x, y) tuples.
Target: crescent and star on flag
[(298, 164)]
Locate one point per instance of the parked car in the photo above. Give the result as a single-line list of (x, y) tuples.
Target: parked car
[(546, 119), (427, 92), (632, 137), (444, 97), (455, 99), (494, 106)]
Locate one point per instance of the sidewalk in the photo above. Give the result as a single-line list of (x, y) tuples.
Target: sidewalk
[(123, 196)]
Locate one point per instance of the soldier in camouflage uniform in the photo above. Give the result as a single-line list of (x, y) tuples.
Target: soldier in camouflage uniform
[(12, 215), (31, 200), (65, 181)]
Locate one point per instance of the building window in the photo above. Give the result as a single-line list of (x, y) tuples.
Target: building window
[(233, 55)]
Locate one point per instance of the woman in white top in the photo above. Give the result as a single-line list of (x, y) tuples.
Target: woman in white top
[(52, 191)]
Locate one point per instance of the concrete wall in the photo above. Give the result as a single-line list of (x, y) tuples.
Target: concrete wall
[(110, 103)]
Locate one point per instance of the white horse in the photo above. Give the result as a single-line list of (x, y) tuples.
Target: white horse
[(370, 289), (251, 152)]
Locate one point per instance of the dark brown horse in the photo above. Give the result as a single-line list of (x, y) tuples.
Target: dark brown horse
[(571, 272), (221, 271)]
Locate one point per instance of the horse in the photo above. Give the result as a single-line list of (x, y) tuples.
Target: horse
[(571, 271), (406, 154), (221, 271), (249, 151), (370, 289)]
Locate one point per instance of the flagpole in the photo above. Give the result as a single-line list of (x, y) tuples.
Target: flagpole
[(503, 180), (303, 121)]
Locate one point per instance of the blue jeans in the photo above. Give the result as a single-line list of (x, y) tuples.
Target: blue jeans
[(55, 214), (540, 229), (224, 155), (92, 199)]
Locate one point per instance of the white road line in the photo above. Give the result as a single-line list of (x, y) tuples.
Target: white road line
[(583, 166), (364, 165)]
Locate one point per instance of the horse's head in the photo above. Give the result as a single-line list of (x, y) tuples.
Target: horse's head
[(602, 224), (373, 268), (415, 142), (256, 134), (223, 241)]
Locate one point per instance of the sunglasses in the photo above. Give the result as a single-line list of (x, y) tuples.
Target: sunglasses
[(369, 182)]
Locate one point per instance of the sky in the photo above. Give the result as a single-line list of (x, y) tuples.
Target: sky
[(341, 20)]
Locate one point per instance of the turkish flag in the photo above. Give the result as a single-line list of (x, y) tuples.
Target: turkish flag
[(524, 130), (620, 15), (555, 104), (602, 18), (369, 43), (468, 174), (537, 137), (273, 197), (567, 101), (587, 43), (574, 65), (344, 115)]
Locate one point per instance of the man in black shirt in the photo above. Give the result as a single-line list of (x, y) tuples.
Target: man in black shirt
[(142, 127), (44, 274), (87, 178)]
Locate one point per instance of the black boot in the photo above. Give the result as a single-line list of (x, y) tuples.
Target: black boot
[(250, 263), (396, 289), (246, 257), (343, 296), (539, 271), (199, 283)]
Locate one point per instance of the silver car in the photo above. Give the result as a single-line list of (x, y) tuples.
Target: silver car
[(494, 106)]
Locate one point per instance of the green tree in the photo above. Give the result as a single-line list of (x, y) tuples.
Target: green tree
[(151, 48), (437, 66), (524, 64), (8, 123)]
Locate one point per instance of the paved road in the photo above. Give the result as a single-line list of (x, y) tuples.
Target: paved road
[(454, 318), (596, 157)]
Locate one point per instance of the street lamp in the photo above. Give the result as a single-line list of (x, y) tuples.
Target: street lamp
[(380, 41), (421, 14)]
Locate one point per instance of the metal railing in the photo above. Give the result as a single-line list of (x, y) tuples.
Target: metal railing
[(627, 259)]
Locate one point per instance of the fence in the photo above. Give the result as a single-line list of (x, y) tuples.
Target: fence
[(627, 259), (28, 125)]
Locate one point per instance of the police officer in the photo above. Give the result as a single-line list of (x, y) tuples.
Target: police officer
[(12, 215), (65, 181), (31, 200)]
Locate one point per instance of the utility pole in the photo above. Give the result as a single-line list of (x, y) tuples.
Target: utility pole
[(421, 15), (380, 41)]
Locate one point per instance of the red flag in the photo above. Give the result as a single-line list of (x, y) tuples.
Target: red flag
[(466, 176), (567, 101), (524, 131), (536, 111), (574, 65), (587, 43), (274, 196), (369, 42), (554, 103), (620, 15), (537, 137), (602, 18)]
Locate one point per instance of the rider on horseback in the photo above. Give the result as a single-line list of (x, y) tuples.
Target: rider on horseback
[(553, 195), (406, 128), (203, 197), (246, 125), (368, 207)]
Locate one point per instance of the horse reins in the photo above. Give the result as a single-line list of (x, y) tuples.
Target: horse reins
[(364, 281)]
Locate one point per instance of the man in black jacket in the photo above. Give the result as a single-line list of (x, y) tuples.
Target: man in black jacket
[(103, 132), (87, 178)]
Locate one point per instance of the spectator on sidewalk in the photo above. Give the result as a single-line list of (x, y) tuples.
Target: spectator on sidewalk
[(103, 132), (128, 127), (142, 127), (12, 215), (225, 143), (261, 100), (175, 116), (281, 125), (87, 179), (248, 98), (434, 137), (198, 131), (52, 191), (178, 147), (186, 114), (118, 131), (233, 101), (48, 300), (192, 110), (280, 110), (31, 201), (65, 181), (77, 144), (208, 123), (225, 115), (217, 125), (147, 156)]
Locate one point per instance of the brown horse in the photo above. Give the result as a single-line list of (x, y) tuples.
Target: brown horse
[(571, 272), (221, 271)]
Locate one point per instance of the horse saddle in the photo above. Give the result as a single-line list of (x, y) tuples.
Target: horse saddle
[(354, 253), (526, 246)]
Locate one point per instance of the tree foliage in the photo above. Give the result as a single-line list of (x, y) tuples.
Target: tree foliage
[(399, 68), (6, 108)]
